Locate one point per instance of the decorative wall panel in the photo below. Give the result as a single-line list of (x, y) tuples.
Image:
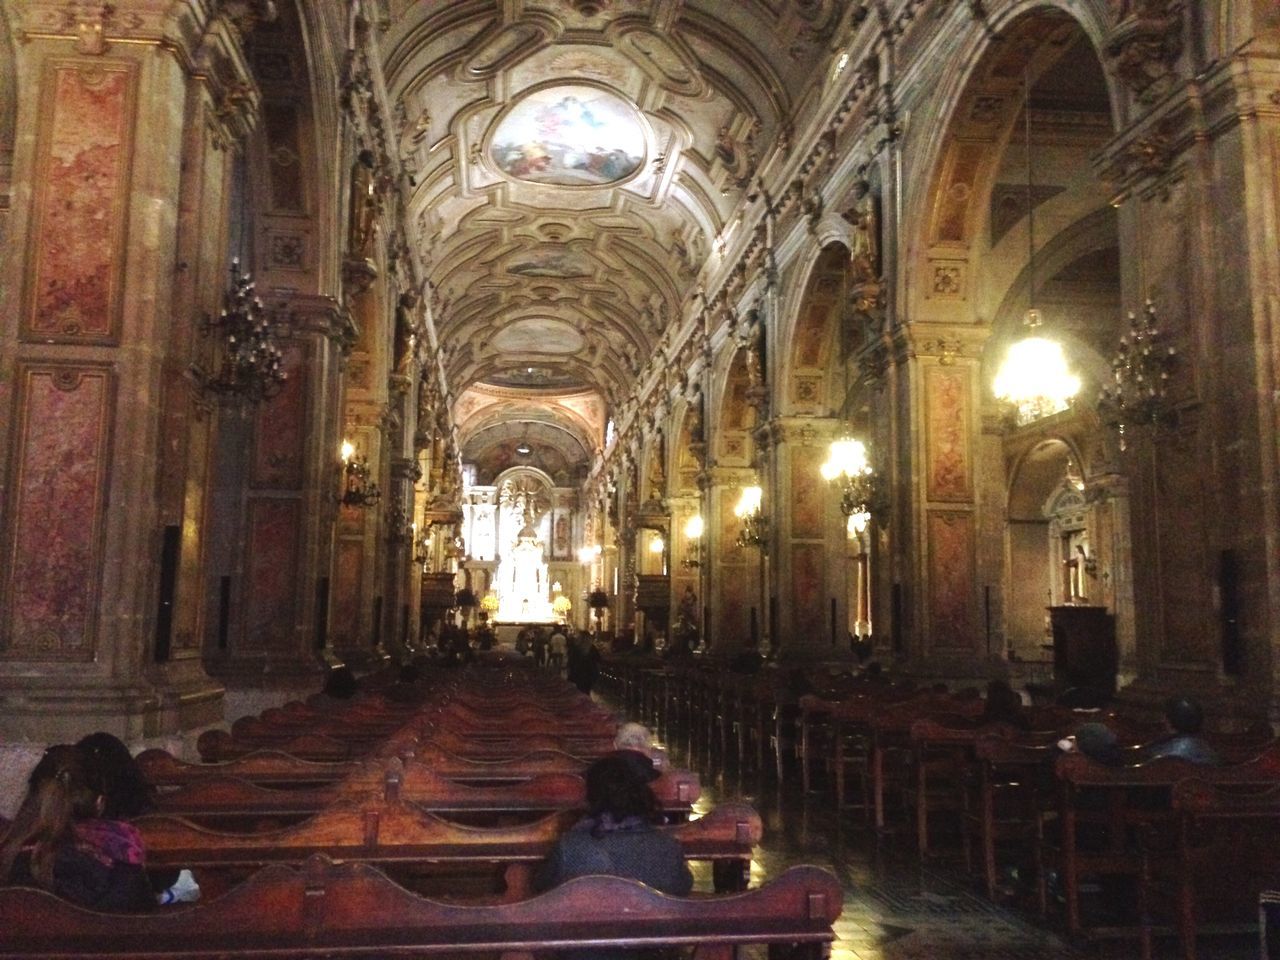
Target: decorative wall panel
[(808, 583), (947, 433), (280, 429), (808, 492), (951, 580), (272, 572), (81, 202), (345, 607), (58, 493)]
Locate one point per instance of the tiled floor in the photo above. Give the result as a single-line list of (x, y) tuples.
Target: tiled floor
[(895, 909)]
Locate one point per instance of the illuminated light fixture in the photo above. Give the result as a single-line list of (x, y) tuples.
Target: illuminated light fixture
[(848, 466), (358, 488), (857, 524), (1034, 377), (586, 556), (1142, 365), (693, 530), (657, 545), (750, 512)]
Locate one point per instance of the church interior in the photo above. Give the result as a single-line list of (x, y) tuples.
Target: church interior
[(827, 368)]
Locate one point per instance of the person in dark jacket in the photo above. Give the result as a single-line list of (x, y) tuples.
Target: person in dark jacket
[(618, 836), (59, 840), (1185, 719)]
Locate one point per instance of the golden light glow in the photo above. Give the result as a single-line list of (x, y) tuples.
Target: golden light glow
[(847, 457), (694, 527), (348, 451), (656, 545), (1035, 379), (750, 502)]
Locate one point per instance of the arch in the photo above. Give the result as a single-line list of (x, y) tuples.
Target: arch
[(288, 190), (980, 100), (816, 338), (735, 419)]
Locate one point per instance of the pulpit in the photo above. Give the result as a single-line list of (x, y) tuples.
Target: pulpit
[(1084, 647)]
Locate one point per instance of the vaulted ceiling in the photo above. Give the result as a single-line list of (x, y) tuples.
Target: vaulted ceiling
[(575, 162)]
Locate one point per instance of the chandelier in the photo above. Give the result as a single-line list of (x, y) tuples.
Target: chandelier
[(1034, 377), (1141, 367), (693, 530), (848, 466), (750, 513), (358, 488), (250, 367)]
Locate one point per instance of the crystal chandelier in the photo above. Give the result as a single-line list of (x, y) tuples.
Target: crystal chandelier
[(1034, 377), (848, 466), (358, 488), (750, 513), (1141, 367), (250, 368)]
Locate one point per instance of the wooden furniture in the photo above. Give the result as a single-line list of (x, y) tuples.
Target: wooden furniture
[(341, 910), (1084, 647)]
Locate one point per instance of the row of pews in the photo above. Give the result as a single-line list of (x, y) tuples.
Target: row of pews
[(1188, 847), (411, 826)]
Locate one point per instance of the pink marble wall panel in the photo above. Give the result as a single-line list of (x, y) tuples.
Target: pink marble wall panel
[(346, 601), (272, 574), (81, 198), (59, 488), (951, 580), (808, 582), (280, 428), (947, 433), (808, 492)]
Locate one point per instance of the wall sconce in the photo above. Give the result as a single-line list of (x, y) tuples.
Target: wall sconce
[(693, 534), (848, 467), (588, 555), (421, 544), (358, 488), (657, 545), (750, 512), (250, 367)]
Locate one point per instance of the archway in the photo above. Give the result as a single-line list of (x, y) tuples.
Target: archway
[(1014, 217)]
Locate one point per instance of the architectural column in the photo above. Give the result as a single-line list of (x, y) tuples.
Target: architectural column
[(269, 585), (941, 477), (1198, 173), (733, 574), (812, 591), (119, 174)]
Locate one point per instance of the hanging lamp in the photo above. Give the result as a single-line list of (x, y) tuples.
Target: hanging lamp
[(1034, 377)]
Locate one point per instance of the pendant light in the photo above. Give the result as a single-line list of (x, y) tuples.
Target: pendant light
[(1034, 376)]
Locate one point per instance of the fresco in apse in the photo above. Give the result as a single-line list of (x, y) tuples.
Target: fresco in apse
[(569, 136)]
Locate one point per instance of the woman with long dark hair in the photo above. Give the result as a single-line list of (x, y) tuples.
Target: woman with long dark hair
[(59, 840)]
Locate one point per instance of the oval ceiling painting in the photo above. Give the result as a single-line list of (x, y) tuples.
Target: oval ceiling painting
[(538, 335), (571, 135)]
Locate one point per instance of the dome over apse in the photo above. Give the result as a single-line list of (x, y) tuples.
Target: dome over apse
[(570, 135)]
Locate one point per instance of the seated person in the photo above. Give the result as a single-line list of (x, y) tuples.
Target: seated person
[(618, 837), (1003, 705), (59, 840), (636, 736), (1185, 719)]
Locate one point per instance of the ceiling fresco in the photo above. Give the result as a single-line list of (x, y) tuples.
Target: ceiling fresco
[(574, 165)]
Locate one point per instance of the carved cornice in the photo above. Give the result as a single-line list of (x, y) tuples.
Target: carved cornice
[(1145, 45)]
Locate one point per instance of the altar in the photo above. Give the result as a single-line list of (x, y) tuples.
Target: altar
[(524, 593)]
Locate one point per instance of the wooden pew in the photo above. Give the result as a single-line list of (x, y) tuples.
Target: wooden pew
[(395, 833), (221, 801), (1228, 847), (352, 910)]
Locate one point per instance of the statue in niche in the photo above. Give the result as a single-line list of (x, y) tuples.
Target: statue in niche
[(363, 213), (657, 468), (864, 257), (406, 333), (697, 428)]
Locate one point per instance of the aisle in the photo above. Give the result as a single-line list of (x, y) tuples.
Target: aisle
[(894, 908)]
